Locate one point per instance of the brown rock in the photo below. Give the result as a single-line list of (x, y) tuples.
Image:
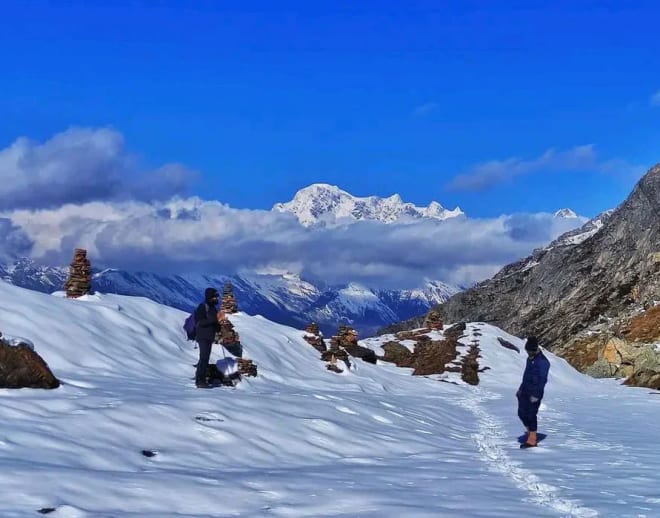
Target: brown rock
[(21, 367), (434, 320), (644, 327), (433, 357), (398, 354)]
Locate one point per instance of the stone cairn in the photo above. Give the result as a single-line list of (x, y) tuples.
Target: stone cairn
[(79, 281), (343, 345), (228, 336), (434, 320), (315, 337), (229, 304)]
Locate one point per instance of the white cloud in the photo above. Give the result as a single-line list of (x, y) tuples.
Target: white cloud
[(578, 159), (193, 235), (81, 165), (655, 99)]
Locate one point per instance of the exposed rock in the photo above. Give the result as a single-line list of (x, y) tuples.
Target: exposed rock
[(246, 367), (470, 365), (22, 367), (581, 290), (456, 331), (227, 335), (645, 378), (313, 329), (315, 337), (398, 354), (79, 281), (332, 356), (434, 357), (433, 320), (229, 304), (347, 339), (507, 345), (644, 327)]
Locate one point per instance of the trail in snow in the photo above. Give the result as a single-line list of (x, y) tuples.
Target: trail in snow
[(492, 442)]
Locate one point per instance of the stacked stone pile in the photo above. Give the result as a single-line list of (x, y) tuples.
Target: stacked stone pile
[(79, 281), (434, 320), (229, 304), (315, 337)]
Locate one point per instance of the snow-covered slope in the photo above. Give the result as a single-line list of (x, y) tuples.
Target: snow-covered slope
[(286, 298), (579, 235), (323, 203), (299, 440)]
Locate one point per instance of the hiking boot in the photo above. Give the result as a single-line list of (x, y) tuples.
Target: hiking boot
[(202, 384)]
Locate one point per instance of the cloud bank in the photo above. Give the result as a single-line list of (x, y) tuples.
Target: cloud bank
[(81, 165), (187, 235), (82, 188)]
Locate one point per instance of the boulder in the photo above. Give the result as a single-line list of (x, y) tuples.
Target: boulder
[(398, 354), (22, 367)]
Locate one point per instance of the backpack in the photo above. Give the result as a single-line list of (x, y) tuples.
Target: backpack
[(190, 326)]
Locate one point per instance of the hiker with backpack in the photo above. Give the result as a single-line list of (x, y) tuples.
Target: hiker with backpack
[(206, 326), (531, 389)]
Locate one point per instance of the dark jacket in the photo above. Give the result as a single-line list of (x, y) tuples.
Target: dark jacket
[(206, 317), (535, 376)]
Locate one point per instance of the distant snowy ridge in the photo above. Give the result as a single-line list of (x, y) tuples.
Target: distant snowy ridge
[(323, 203), (284, 298)]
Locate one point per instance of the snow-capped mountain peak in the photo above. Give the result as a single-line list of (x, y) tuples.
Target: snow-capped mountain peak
[(324, 203), (565, 213)]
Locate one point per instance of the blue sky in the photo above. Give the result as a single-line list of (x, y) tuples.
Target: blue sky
[(263, 98)]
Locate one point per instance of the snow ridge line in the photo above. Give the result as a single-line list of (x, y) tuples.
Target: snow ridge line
[(490, 439)]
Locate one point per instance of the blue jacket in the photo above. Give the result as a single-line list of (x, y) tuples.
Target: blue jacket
[(535, 376)]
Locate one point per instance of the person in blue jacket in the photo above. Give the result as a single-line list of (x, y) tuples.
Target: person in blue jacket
[(531, 389)]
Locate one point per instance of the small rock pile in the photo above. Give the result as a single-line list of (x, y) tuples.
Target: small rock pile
[(229, 304), (22, 367), (79, 281), (246, 367), (434, 320), (315, 337), (343, 344)]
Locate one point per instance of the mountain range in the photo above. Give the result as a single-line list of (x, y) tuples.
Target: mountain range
[(286, 299), (328, 204)]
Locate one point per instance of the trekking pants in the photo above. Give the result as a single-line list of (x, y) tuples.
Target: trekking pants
[(527, 412), (204, 357)]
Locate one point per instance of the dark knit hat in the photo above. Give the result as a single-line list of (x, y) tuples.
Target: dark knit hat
[(209, 293), (532, 344)]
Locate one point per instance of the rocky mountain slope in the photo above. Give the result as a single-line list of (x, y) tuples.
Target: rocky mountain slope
[(590, 295), (286, 299), (322, 203)]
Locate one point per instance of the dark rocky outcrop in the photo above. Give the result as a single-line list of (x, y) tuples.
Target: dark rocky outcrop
[(22, 367), (580, 292)]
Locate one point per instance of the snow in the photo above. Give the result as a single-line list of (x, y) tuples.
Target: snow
[(299, 440), (328, 204)]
